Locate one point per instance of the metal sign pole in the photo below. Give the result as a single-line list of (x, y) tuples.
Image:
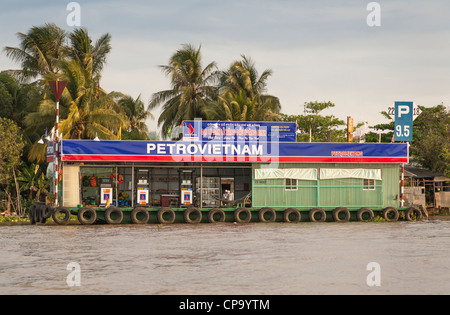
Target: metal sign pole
[(402, 199), (56, 165), (201, 185), (404, 115), (57, 88)]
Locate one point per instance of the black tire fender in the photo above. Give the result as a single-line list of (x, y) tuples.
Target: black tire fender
[(32, 214), (38, 213), (388, 211), (289, 212), (162, 212), (338, 211), (361, 212), (108, 215), (189, 212), (138, 211), (264, 211), (41, 214), (47, 211), (214, 212), (237, 215), (92, 216), (314, 211), (61, 210), (411, 212)]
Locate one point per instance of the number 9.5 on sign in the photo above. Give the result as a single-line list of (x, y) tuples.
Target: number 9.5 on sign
[(403, 131)]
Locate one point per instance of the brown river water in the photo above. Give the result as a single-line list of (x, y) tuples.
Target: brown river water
[(247, 259)]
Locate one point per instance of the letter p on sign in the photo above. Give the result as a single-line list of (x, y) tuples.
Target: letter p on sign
[(403, 110)]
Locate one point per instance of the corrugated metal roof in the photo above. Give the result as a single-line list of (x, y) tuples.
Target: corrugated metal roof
[(424, 173)]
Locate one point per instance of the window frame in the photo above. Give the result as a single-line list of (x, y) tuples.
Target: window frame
[(291, 184), (369, 184)]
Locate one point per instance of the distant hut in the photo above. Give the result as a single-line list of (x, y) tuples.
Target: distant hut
[(427, 189)]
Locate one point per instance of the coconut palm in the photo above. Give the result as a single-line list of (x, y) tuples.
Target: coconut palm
[(136, 115), (39, 52), (242, 75), (91, 112), (192, 87), (91, 57), (238, 107), (86, 112)]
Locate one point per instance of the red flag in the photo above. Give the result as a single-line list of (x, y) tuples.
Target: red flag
[(57, 88)]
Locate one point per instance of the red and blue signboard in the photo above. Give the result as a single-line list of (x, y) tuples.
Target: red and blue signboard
[(201, 130), (233, 151)]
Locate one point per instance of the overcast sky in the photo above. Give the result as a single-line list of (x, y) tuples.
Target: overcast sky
[(318, 50)]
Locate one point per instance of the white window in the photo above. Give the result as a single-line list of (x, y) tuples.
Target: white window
[(290, 183), (368, 184)]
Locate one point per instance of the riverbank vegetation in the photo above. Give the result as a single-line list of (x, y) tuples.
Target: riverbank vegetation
[(239, 92)]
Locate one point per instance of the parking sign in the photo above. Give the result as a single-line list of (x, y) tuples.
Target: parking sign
[(404, 121)]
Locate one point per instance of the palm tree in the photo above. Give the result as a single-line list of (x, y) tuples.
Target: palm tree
[(192, 87), (91, 57), (243, 76), (91, 112), (136, 115), (86, 110), (39, 52), (31, 178), (238, 107)]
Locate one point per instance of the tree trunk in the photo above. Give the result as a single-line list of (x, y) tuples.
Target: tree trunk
[(19, 206)]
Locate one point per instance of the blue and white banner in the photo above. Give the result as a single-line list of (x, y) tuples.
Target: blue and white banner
[(252, 151), (404, 121), (201, 130)]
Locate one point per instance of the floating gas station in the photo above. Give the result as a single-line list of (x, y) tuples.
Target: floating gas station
[(229, 172)]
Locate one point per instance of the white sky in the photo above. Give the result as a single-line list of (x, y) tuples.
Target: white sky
[(318, 50)]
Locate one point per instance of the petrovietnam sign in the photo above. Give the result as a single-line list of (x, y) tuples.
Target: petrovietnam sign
[(252, 151)]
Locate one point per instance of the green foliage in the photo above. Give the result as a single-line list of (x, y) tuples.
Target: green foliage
[(378, 218), (431, 146), (385, 131), (17, 98), (192, 87), (11, 146), (136, 116), (321, 128), (12, 220), (39, 52), (32, 180), (242, 80), (237, 94), (238, 107), (86, 110)]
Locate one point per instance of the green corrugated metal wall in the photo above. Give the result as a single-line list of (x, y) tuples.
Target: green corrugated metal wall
[(329, 193)]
